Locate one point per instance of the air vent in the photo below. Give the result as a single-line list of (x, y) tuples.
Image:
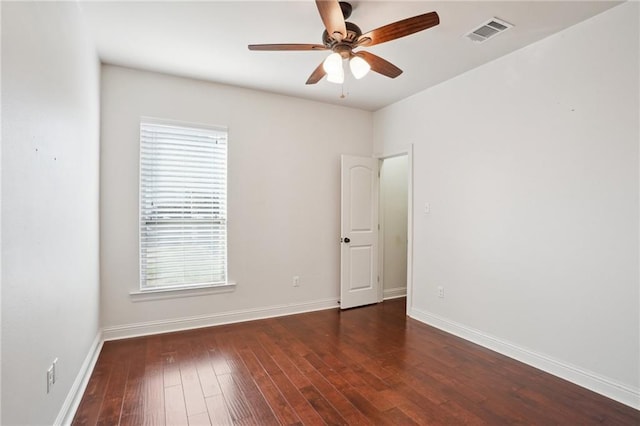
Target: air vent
[(489, 29)]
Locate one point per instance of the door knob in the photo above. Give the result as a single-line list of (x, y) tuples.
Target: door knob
[(347, 240)]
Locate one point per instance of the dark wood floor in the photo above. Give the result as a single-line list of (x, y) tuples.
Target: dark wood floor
[(369, 365)]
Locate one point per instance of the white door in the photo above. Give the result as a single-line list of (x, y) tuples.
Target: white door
[(359, 227)]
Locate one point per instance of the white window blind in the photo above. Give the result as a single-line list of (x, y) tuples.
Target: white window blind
[(183, 206)]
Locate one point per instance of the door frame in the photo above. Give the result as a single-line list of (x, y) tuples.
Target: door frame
[(408, 151)]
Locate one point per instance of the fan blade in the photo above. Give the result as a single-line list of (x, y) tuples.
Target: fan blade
[(332, 18), (379, 65), (399, 29), (287, 47), (317, 74)]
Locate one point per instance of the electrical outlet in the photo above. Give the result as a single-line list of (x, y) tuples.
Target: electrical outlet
[(296, 281), (50, 378), (441, 292)]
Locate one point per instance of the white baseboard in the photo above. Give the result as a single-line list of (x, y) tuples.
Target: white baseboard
[(72, 401), (188, 323), (589, 380), (394, 293)]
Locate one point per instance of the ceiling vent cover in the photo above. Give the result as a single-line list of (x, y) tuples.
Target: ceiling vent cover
[(488, 30)]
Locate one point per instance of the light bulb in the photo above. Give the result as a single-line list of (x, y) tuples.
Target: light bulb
[(333, 63), (359, 67)]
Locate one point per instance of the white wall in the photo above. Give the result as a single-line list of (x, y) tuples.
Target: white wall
[(50, 144), (393, 196), (284, 192), (0, 220), (530, 164)]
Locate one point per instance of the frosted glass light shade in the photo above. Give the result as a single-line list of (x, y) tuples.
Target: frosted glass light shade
[(333, 63), (336, 77), (359, 67), (333, 67)]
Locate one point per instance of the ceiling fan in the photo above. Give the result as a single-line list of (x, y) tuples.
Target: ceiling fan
[(343, 37)]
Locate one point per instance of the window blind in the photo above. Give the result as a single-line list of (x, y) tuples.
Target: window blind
[(183, 200)]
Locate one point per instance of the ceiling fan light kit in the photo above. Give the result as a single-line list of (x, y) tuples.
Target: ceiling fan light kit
[(337, 78), (333, 63), (332, 66), (343, 37), (359, 67)]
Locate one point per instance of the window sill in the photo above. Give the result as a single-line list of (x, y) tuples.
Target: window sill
[(174, 293)]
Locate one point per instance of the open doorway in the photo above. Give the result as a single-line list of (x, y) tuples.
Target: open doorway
[(394, 218)]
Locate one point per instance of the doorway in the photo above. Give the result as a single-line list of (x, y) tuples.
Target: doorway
[(362, 234), (394, 235)]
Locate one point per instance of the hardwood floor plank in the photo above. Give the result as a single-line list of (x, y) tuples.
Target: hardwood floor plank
[(284, 363), (206, 374), (364, 366), (153, 397), (330, 388), (271, 393), (87, 413), (201, 419), (363, 405), (396, 416), (133, 400), (171, 369), (235, 401), (111, 409), (219, 364), (153, 358), (295, 352), (322, 406), (218, 411), (304, 410), (290, 388), (261, 410), (242, 378), (175, 409), (193, 395), (422, 415)]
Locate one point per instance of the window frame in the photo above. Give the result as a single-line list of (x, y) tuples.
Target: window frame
[(146, 292)]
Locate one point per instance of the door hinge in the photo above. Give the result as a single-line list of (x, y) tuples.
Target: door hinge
[(378, 227), (378, 278)]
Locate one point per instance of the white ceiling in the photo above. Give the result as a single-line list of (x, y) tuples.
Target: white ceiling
[(208, 41)]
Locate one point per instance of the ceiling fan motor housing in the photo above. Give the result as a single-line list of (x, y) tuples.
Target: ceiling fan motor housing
[(346, 9), (345, 45)]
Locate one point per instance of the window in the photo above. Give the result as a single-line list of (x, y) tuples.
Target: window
[(183, 199)]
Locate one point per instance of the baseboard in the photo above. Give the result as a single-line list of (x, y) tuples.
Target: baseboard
[(589, 380), (188, 323), (394, 293), (72, 401)]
